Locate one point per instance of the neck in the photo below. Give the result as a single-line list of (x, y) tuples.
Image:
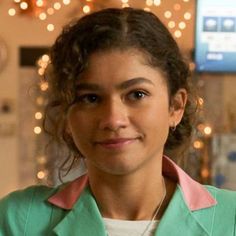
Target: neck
[(129, 197)]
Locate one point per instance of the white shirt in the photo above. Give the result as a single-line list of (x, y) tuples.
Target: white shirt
[(130, 228)]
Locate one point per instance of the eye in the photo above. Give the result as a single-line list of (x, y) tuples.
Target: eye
[(88, 99), (137, 95)]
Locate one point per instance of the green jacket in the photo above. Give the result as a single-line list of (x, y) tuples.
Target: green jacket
[(71, 210), (28, 213)]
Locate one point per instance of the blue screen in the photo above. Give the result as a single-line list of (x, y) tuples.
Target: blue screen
[(215, 42)]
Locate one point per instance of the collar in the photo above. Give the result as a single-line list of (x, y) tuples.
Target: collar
[(195, 195)]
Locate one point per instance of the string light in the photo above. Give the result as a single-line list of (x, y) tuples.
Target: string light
[(38, 115), (182, 25), (50, 11), (157, 2), (187, 15), (167, 14), (11, 12), (200, 101), (44, 86), (41, 175), (198, 144), (177, 7), (40, 101), (37, 130), (57, 6), (66, 2), (205, 173), (43, 8), (177, 33), (86, 9), (43, 16), (207, 130), (149, 3), (39, 3), (24, 5), (171, 24), (50, 27)]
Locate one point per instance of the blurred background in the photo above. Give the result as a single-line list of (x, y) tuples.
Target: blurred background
[(206, 33)]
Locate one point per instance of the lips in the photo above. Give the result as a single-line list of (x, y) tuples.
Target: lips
[(116, 143)]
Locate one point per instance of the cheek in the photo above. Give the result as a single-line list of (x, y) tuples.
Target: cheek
[(80, 127), (156, 120)]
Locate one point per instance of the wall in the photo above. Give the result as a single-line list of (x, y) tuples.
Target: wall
[(16, 32), (24, 31)]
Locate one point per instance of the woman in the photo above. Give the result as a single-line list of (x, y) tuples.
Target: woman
[(120, 100)]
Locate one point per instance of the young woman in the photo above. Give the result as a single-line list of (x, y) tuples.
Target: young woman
[(120, 99)]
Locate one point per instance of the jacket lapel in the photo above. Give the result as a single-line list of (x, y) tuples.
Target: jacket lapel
[(83, 219), (180, 220)]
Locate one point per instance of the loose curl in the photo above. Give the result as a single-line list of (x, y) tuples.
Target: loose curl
[(106, 30)]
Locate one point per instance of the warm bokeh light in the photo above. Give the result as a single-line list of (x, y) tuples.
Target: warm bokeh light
[(198, 144), (37, 130), (50, 27), (38, 115), (66, 2), (149, 3), (45, 58), (39, 3), (40, 101), (177, 7), (50, 11), (192, 66), (124, 1), (43, 16), (41, 175), (205, 173), (17, 1), (200, 101), (41, 160), (44, 86), (11, 12), (86, 9), (171, 24), (201, 127), (57, 6), (178, 33), (24, 5), (167, 14), (157, 2), (41, 71), (207, 130), (182, 25), (187, 15)]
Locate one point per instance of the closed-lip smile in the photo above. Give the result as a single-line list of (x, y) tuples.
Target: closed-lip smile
[(116, 142)]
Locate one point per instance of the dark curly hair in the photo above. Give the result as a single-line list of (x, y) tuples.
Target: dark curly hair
[(108, 29)]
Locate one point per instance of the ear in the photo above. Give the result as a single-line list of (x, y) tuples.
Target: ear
[(177, 106)]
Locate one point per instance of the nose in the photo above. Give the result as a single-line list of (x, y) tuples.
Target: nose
[(114, 115)]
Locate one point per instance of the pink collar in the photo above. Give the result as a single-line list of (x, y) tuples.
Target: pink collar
[(195, 195)]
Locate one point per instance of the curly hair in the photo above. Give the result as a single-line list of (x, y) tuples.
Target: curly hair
[(105, 30)]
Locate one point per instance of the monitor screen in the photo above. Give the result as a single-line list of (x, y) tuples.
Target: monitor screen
[(215, 40)]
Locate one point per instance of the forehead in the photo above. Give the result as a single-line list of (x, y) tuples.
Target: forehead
[(119, 65)]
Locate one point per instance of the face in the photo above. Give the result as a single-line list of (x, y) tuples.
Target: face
[(121, 119)]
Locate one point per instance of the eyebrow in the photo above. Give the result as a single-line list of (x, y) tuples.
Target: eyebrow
[(124, 85)]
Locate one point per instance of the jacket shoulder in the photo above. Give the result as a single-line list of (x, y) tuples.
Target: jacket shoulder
[(19, 208), (223, 196), (224, 218)]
